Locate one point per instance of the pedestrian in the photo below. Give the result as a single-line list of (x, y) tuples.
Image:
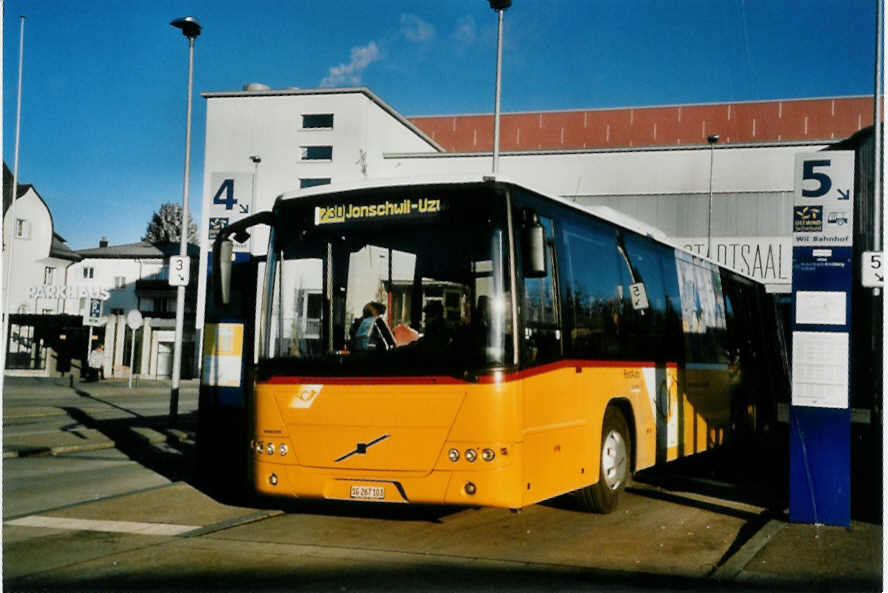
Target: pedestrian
[(97, 363)]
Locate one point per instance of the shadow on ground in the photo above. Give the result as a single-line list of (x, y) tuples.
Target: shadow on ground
[(754, 473), (430, 575)]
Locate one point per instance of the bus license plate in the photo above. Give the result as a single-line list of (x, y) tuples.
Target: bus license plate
[(368, 492)]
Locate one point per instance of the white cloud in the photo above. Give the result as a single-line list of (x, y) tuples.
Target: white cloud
[(466, 31), (361, 58), (415, 29)]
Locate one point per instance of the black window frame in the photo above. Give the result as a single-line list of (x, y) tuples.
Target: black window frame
[(317, 121)]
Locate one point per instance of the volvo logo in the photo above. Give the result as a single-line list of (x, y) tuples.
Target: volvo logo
[(361, 448)]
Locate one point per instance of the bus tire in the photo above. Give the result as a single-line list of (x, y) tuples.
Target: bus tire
[(614, 465)]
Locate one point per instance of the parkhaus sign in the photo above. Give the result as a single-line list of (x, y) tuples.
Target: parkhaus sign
[(74, 291)]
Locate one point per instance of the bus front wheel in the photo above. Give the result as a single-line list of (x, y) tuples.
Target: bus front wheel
[(614, 465)]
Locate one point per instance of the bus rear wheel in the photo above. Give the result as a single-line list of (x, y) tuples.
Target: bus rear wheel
[(614, 465)]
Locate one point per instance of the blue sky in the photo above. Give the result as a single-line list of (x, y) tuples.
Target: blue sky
[(103, 112)]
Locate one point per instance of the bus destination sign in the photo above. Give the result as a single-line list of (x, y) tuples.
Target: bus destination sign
[(339, 213)]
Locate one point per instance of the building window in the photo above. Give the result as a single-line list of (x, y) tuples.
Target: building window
[(317, 153), (25, 349), (316, 121), (48, 275), (119, 281), (22, 228), (313, 181), (88, 272)]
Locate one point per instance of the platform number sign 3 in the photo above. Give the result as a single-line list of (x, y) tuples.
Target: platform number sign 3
[(180, 268)]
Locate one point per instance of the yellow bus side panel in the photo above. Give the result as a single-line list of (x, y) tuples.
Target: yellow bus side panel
[(543, 426), (563, 414)]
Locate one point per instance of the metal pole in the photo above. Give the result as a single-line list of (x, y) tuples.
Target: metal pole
[(256, 160), (18, 109), (132, 356), (709, 219), (11, 240), (877, 132), (183, 247), (496, 110), (89, 344)]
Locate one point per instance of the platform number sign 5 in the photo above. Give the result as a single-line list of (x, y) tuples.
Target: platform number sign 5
[(823, 210), (822, 180), (873, 270)]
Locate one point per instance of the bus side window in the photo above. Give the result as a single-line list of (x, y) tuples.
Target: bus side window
[(593, 290), (649, 333), (542, 331)]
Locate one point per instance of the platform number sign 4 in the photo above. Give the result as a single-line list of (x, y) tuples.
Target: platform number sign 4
[(180, 268), (229, 199), (225, 197)]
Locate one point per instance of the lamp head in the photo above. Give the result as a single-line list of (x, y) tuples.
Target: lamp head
[(500, 4), (189, 25), (712, 138)]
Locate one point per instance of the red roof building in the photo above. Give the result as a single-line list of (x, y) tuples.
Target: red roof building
[(827, 119)]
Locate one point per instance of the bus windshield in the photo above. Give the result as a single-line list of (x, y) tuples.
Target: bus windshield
[(405, 281)]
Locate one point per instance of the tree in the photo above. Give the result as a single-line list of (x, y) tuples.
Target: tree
[(165, 224)]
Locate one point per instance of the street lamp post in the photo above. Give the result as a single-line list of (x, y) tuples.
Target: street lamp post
[(256, 159), (712, 139), (190, 29), (500, 7)]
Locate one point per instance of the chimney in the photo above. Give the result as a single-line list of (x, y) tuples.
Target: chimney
[(103, 242)]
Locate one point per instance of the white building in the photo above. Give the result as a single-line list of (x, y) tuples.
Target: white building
[(48, 289), (36, 261), (135, 276), (653, 164)]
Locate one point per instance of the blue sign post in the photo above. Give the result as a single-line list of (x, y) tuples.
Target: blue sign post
[(820, 417)]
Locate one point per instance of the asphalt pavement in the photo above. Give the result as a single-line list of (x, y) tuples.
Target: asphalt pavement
[(58, 416)]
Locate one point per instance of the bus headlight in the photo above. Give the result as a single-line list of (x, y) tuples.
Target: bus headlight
[(269, 448), (471, 455), (488, 454), (260, 447), (453, 455), (283, 449)]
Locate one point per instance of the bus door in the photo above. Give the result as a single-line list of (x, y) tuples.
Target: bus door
[(226, 377), (555, 441)]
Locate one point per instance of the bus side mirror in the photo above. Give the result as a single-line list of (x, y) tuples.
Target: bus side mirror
[(533, 248), (225, 250)]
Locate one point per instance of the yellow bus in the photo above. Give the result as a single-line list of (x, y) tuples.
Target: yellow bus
[(475, 342)]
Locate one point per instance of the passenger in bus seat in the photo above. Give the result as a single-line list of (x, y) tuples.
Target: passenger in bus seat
[(437, 333), (370, 333)]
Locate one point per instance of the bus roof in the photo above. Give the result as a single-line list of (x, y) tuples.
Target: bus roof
[(603, 212)]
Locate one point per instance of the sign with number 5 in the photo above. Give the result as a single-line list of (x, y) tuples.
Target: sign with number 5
[(823, 208)]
